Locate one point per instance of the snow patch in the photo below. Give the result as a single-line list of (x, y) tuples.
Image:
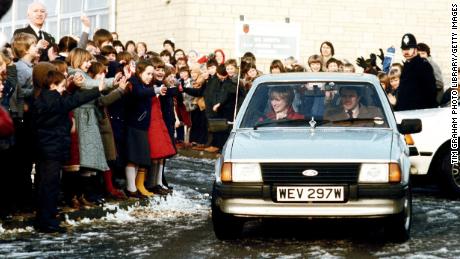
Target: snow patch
[(15, 230)]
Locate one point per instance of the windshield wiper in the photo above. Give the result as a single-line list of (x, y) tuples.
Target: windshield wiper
[(288, 121)]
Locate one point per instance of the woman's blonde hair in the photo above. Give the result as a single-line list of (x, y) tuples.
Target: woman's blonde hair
[(285, 92), (78, 56)]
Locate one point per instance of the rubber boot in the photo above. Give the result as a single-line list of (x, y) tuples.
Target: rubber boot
[(109, 186), (140, 178)]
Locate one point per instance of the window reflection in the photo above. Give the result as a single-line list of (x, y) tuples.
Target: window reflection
[(71, 6), (65, 13)]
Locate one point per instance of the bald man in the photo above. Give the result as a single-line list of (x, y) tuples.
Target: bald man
[(36, 13)]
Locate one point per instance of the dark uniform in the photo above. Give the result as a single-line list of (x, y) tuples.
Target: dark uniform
[(45, 36), (417, 87)]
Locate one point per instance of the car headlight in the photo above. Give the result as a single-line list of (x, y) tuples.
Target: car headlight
[(380, 173), (373, 173), (241, 172)]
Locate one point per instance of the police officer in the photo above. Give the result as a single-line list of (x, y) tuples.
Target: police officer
[(417, 87)]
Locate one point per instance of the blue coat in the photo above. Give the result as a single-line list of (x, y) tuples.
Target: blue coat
[(139, 104)]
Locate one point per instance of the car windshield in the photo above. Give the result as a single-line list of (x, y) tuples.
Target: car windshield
[(314, 104)]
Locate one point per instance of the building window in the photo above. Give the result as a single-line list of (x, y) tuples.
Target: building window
[(63, 16)]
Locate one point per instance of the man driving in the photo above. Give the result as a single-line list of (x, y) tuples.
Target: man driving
[(351, 108)]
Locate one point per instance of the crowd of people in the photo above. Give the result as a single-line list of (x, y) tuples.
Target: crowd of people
[(99, 117)]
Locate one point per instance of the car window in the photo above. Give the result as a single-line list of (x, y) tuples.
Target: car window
[(331, 104)]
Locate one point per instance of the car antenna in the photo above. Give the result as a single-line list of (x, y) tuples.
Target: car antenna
[(237, 89)]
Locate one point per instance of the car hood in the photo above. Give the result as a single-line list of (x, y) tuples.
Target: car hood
[(320, 145)]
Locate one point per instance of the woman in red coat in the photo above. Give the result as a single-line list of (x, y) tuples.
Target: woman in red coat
[(281, 98)]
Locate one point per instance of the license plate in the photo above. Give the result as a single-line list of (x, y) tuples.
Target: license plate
[(310, 193)]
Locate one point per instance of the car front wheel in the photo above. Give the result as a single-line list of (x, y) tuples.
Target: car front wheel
[(226, 226), (398, 226)]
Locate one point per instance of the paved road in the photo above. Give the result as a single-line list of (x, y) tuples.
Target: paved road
[(180, 227)]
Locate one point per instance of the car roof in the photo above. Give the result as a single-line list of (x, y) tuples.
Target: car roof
[(320, 76)]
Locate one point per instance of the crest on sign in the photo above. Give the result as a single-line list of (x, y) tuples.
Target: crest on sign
[(245, 28)]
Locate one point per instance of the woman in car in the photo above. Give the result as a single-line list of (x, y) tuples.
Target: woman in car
[(281, 98)]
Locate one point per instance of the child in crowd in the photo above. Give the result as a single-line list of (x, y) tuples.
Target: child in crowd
[(138, 121), (66, 44), (165, 76), (250, 75), (199, 130), (392, 92), (277, 67), (192, 58), (289, 63), (50, 113), (232, 69), (332, 65), (98, 71), (348, 68), (161, 143), (92, 48), (91, 149), (166, 57), (130, 46), (126, 65), (327, 52), (109, 52), (70, 179), (180, 63), (219, 56), (384, 81), (118, 46), (211, 91), (183, 106), (226, 102), (26, 50), (179, 54), (169, 46), (141, 49), (314, 63)]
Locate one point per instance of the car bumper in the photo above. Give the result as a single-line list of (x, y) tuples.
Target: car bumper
[(362, 201)]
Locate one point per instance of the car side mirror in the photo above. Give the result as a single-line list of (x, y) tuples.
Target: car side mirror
[(410, 126)]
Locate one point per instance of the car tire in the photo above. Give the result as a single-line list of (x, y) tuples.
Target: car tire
[(398, 226), (226, 226), (449, 175)]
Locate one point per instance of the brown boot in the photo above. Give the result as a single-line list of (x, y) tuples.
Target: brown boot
[(84, 203)]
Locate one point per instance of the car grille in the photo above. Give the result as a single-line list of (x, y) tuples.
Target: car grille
[(327, 173)]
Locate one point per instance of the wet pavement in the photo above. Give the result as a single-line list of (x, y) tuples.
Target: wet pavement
[(180, 227)]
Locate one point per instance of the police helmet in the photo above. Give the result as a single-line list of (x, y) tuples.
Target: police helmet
[(408, 41)]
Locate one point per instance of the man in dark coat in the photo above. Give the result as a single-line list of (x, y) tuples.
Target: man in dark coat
[(417, 88), (36, 12)]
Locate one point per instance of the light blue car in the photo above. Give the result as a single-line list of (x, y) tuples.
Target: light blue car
[(314, 145)]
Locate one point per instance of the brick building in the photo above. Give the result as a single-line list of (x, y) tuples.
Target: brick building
[(356, 28)]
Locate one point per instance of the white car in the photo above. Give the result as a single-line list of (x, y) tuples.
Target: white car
[(433, 147)]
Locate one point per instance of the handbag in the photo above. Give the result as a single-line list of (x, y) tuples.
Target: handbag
[(218, 125)]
